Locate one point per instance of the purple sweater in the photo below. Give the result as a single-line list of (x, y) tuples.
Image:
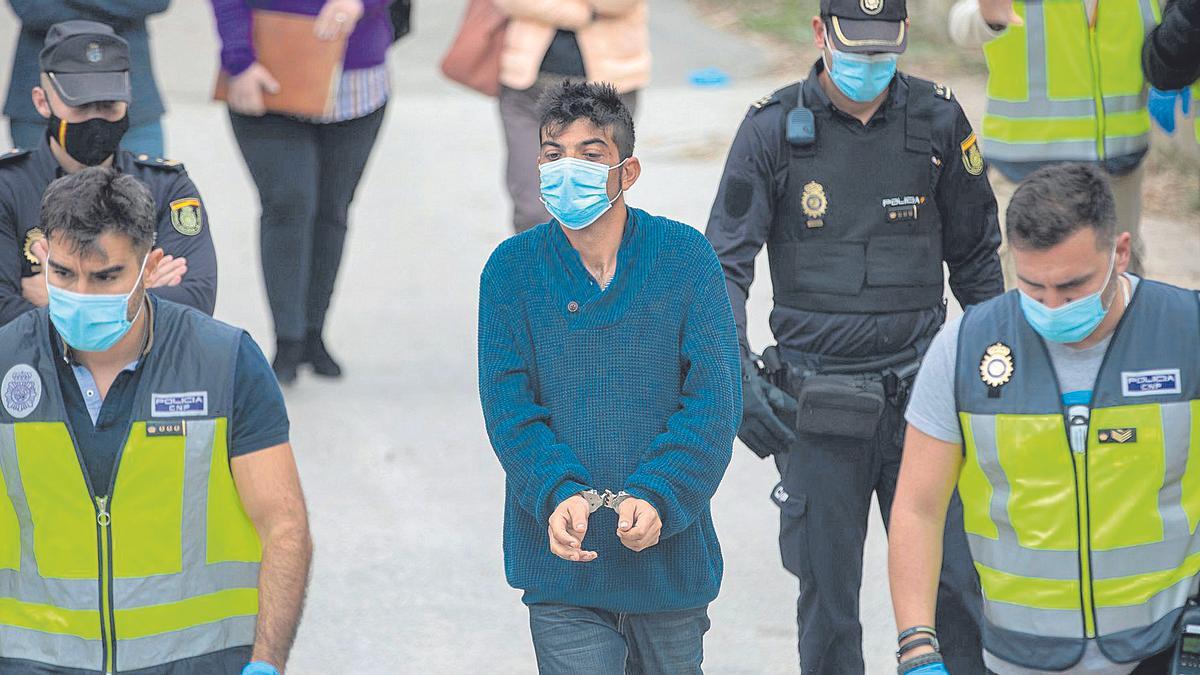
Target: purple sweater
[(366, 47)]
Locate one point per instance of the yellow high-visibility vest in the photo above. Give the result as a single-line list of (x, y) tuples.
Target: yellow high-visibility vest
[(1062, 89), (160, 566), (1082, 514), (1196, 108)]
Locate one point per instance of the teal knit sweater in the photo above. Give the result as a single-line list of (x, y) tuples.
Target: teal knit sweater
[(636, 388)]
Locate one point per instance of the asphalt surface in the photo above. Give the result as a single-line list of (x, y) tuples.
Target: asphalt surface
[(404, 491)]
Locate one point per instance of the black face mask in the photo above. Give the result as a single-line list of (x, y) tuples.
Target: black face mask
[(90, 142)]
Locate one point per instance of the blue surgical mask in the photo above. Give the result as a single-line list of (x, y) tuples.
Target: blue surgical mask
[(861, 77), (575, 191), (1073, 321), (91, 323)]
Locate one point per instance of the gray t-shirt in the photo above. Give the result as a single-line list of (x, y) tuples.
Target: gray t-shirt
[(932, 410)]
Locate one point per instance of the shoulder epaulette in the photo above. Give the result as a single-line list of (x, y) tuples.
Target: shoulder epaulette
[(13, 154), (777, 96), (922, 88), (158, 162), (764, 101)]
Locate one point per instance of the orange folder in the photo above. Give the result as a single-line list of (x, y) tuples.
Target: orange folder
[(307, 69)]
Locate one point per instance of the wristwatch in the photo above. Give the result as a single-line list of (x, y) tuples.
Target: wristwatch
[(594, 499)]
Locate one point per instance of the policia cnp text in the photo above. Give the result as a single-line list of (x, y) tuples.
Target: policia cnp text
[(861, 182)]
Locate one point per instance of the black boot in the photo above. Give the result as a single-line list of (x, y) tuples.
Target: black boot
[(288, 357), (316, 355)]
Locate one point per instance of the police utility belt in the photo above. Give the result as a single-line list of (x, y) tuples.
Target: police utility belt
[(842, 397)]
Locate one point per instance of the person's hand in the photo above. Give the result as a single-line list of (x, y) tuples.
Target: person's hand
[(170, 272), (33, 289), (763, 406), (1162, 107), (999, 13), (568, 526), (41, 251), (337, 19), (638, 524), (246, 90)]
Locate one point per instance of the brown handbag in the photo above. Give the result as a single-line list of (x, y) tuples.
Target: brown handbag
[(474, 56)]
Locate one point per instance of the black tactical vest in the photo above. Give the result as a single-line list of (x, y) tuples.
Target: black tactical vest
[(858, 230)]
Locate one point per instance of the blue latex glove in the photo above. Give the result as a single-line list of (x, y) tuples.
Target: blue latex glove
[(260, 668), (930, 669), (1162, 107)]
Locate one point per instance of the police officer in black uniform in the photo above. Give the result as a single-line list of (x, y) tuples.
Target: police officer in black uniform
[(860, 182), (85, 94)]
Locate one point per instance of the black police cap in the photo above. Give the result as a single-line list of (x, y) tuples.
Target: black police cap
[(870, 26), (86, 62)]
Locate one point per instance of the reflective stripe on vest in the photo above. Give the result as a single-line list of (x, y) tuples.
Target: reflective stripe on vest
[(176, 558), (1196, 108), (1130, 490), (1060, 90)]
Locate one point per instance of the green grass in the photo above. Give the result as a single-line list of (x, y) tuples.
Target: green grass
[(789, 22), (781, 19)]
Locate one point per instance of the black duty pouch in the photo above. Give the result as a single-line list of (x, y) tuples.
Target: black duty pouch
[(840, 405)]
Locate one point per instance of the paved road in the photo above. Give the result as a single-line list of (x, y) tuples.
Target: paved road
[(404, 490)]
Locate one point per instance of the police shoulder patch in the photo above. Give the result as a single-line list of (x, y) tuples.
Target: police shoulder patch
[(158, 162), (13, 154), (971, 156), (185, 216), (942, 91)]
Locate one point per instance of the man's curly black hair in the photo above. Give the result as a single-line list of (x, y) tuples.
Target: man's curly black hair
[(597, 102)]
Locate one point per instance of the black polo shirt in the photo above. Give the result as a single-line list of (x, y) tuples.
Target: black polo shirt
[(258, 421)]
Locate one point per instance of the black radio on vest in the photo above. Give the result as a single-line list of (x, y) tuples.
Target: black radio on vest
[(1187, 645), (801, 127)]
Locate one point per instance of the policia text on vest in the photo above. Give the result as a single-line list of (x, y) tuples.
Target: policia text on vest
[(1081, 508), (157, 571)]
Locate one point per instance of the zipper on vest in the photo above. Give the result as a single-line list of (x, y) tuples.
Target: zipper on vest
[(107, 620), (1077, 435)]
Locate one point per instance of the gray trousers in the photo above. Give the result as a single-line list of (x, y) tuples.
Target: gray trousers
[(522, 135), (824, 498)]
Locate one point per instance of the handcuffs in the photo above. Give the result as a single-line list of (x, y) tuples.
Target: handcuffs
[(596, 499)]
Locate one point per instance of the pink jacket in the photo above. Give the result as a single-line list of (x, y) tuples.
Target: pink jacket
[(615, 45)]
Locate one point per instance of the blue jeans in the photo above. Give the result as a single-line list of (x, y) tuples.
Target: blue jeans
[(142, 139), (569, 640)]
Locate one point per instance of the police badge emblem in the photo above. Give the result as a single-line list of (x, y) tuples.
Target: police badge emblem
[(185, 216), (871, 7), (33, 236), (971, 156), (21, 390), (814, 204), (996, 369), (94, 55)]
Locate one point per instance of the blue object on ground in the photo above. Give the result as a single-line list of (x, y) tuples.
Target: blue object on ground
[(709, 77)]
